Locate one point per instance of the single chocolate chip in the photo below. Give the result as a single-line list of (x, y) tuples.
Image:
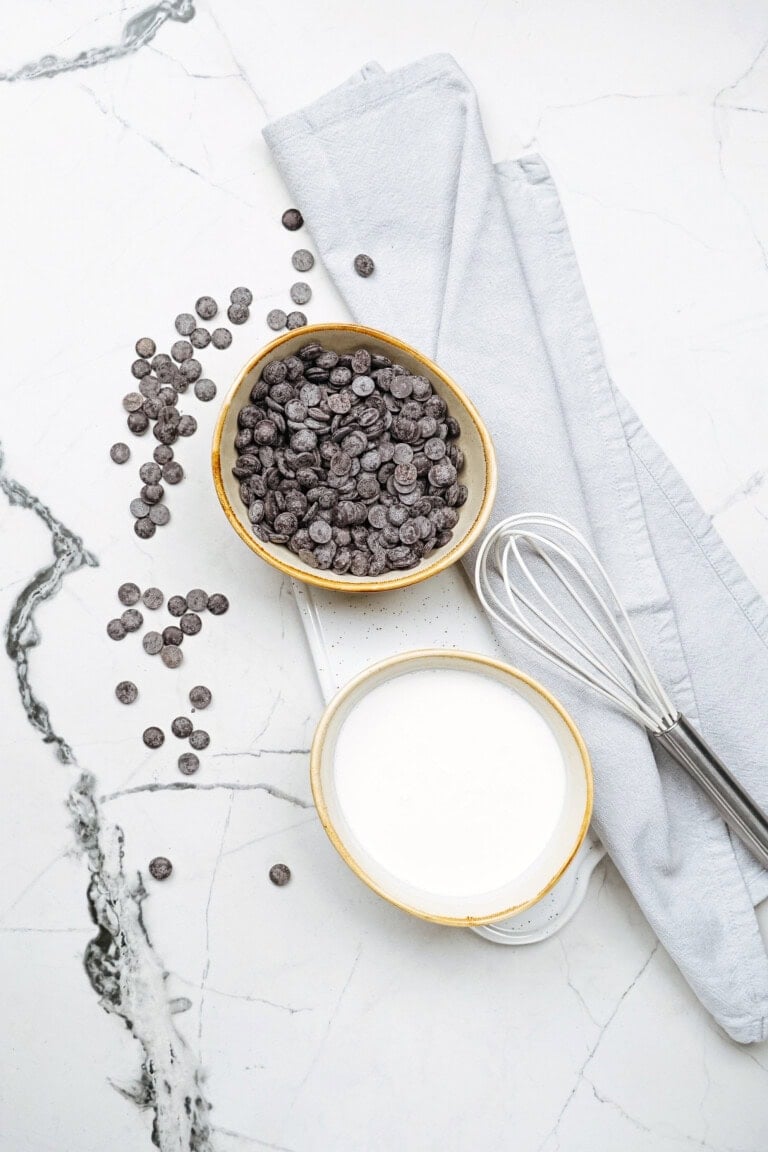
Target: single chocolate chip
[(138, 422), (162, 360), (182, 727), (172, 635), (165, 432), (126, 692), (300, 292), (181, 351), (152, 598), (206, 307), (187, 425), (190, 623), (292, 219), (140, 368), (280, 874), (188, 763), (200, 696), (151, 473), (153, 737), (145, 347), (205, 389), (302, 261), (120, 452), (160, 868), (152, 642), (197, 600), (177, 605), (241, 296), (133, 401), (295, 320), (132, 619), (129, 594), (160, 514), (218, 604), (238, 313), (144, 528), (221, 337), (163, 454), (173, 472), (200, 338), (363, 264), (116, 630), (171, 655), (191, 370), (276, 319), (152, 493), (185, 324), (199, 739)]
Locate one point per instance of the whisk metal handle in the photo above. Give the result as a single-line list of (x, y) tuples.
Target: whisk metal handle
[(735, 805)]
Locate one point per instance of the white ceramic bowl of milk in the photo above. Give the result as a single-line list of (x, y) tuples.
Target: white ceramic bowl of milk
[(455, 786)]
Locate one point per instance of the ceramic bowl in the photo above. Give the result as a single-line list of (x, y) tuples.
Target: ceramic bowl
[(563, 833), (479, 472)]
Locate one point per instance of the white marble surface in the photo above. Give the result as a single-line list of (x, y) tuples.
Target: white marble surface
[(316, 1018)]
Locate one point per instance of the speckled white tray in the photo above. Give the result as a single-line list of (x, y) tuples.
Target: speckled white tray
[(347, 634)]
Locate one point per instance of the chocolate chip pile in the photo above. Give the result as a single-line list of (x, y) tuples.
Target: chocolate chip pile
[(162, 378), (349, 461)]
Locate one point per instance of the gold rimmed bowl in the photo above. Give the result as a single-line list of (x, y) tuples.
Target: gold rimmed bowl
[(479, 472), (520, 880)]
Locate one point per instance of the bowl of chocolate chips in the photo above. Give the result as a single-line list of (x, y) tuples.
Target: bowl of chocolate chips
[(348, 460)]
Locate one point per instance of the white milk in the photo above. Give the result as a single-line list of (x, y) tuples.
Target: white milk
[(451, 780)]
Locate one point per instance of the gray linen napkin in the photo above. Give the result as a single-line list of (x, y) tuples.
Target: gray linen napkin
[(474, 266)]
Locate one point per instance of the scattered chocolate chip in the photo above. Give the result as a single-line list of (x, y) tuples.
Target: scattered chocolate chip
[(197, 600), (120, 452), (152, 642), (160, 868), (187, 425), (295, 320), (200, 338), (116, 629), (238, 313), (302, 261), (152, 493), (199, 739), (206, 307), (221, 337), (292, 219), (145, 347), (182, 727), (152, 598), (151, 472), (191, 370), (205, 389), (241, 296), (188, 763), (129, 594), (200, 696), (163, 454), (171, 655), (160, 514), (185, 324), (126, 692), (133, 401), (277, 319), (172, 635), (153, 737), (144, 528), (300, 292), (137, 422), (279, 874), (132, 619), (140, 368), (173, 472), (181, 351), (364, 266), (190, 623), (218, 604)]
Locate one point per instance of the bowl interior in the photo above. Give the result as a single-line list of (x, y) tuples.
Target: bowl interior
[(479, 473), (562, 817)]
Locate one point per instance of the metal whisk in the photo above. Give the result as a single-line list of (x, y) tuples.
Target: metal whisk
[(542, 563)]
